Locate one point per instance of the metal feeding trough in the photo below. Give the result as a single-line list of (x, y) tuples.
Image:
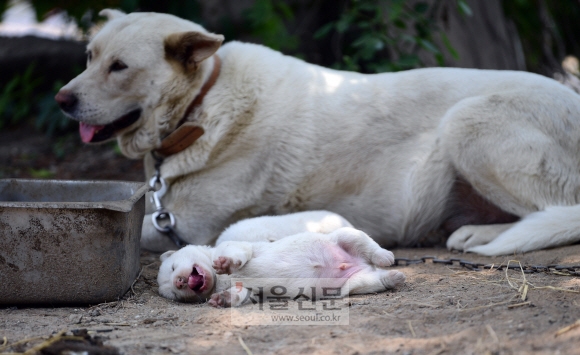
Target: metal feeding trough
[(68, 242)]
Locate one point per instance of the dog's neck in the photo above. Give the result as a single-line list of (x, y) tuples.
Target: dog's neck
[(187, 133)]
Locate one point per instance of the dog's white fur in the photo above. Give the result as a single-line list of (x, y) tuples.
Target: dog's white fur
[(300, 249), (282, 135)]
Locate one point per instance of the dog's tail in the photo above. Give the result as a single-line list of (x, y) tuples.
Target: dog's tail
[(555, 226)]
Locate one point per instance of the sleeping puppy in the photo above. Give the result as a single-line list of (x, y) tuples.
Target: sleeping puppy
[(198, 273)]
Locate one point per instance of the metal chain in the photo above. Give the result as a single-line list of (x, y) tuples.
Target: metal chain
[(163, 220), (565, 270)]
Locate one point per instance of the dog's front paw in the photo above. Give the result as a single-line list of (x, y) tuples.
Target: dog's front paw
[(226, 265), (223, 299), (470, 236)]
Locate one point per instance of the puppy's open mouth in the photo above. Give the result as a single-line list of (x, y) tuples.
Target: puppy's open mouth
[(94, 134), (196, 280)]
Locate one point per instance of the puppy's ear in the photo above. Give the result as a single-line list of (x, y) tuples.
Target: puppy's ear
[(111, 14), (166, 255), (191, 48)]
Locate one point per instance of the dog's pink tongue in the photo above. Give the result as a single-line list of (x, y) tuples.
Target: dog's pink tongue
[(88, 131), (195, 282)]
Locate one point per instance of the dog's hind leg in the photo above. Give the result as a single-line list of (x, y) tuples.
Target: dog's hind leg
[(555, 226), (232, 297), (378, 280), (520, 152), (358, 243)]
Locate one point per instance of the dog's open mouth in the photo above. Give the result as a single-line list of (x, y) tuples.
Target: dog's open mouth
[(196, 280), (94, 134)]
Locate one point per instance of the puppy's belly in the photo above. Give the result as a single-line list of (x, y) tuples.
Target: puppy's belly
[(315, 260), (335, 262)]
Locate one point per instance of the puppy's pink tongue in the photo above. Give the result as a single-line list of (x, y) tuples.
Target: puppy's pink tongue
[(88, 131), (195, 282)]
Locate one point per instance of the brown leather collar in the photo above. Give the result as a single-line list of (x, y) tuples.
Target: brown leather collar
[(187, 132)]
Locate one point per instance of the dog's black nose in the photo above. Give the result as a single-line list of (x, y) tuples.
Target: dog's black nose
[(66, 100)]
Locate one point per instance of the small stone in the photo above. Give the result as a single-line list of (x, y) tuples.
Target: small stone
[(75, 318), (95, 313), (228, 335), (176, 349)]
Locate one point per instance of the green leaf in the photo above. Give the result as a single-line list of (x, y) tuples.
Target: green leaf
[(449, 46), (284, 10), (324, 30), (344, 23), (408, 38), (368, 6), (440, 60), (41, 173), (464, 8), (395, 11), (408, 61), (400, 23), (428, 46)]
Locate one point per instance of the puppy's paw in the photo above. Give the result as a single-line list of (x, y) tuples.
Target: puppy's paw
[(218, 300), (393, 278), (224, 299), (226, 265), (383, 258)]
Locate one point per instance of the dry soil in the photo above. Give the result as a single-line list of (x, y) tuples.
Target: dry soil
[(441, 309)]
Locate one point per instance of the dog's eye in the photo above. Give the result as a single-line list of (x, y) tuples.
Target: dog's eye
[(117, 66), (89, 56)]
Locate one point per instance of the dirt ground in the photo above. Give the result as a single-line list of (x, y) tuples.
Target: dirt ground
[(441, 309)]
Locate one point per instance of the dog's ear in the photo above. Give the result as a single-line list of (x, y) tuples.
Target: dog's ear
[(111, 14), (191, 48), (166, 255)]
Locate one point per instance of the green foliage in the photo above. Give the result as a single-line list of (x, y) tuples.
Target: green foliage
[(17, 96), (548, 30), (266, 21), (85, 12), (188, 9), (41, 173), (388, 35), (19, 100), (50, 118)]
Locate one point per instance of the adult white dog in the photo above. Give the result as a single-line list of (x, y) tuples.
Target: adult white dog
[(490, 157)]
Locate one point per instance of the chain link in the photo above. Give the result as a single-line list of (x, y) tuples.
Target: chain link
[(565, 270), (163, 220)]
